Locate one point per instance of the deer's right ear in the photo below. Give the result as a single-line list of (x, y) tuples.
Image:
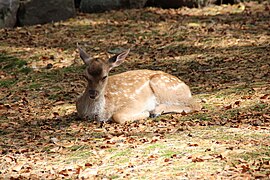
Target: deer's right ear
[(118, 59), (84, 56)]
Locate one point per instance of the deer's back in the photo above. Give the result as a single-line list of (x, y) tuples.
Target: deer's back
[(129, 82), (126, 86)]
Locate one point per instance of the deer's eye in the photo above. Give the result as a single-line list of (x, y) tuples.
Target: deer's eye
[(104, 78)]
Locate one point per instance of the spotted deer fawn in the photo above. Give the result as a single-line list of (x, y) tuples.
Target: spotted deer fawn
[(131, 95)]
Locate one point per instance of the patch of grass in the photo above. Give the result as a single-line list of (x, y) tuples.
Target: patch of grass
[(234, 90), (48, 75), (54, 76), (259, 107), (46, 149), (155, 146), (231, 113), (78, 147), (7, 83), (13, 64), (114, 176), (77, 155), (122, 153), (263, 153), (54, 97), (35, 86), (197, 116), (73, 69), (169, 153), (25, 70), (254, 157)]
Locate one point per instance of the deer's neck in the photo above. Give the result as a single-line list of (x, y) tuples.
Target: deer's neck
[(91, 108)]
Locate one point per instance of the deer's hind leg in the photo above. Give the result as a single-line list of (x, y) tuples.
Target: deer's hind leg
[(173, 95), (138, 107), (125, 115)]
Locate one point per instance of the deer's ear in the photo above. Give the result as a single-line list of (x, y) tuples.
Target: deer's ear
[(84, 56), (118, 59)]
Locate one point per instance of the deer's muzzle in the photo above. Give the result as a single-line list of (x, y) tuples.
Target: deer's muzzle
[(93, 94)]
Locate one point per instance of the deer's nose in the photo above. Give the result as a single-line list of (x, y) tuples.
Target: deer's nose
[(93, 94)]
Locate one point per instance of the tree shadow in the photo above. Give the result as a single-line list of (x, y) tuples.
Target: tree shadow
[(204, 61), (42, 132), (110, 22), (205, 69)]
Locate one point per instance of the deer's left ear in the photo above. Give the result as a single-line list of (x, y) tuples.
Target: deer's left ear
[(84, 56), (118, 59)]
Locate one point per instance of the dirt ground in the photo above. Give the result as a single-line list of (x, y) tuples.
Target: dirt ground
[(221, 52)]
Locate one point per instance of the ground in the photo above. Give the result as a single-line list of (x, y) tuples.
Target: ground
[(221, 52)]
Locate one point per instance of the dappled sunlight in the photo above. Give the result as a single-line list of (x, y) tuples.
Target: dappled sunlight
[(63, 109), (149, 31), (205, 11), (221, 52), (231, 42), (84, 20), (39, 58)]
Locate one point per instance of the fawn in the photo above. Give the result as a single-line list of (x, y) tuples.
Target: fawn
[(132, 95)]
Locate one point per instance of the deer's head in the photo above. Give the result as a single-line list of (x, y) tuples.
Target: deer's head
[(97, 71)]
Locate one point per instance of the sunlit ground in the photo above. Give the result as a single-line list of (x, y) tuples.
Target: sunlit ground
[(221, 52)]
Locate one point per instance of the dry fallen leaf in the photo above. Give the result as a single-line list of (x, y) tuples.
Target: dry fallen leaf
[(215, 50), (18, 166), (196, 159)]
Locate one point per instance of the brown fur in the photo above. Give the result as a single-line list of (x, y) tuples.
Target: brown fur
[(131, 95)]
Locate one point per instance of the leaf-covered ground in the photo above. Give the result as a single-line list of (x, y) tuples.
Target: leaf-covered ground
[(222, 52)]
